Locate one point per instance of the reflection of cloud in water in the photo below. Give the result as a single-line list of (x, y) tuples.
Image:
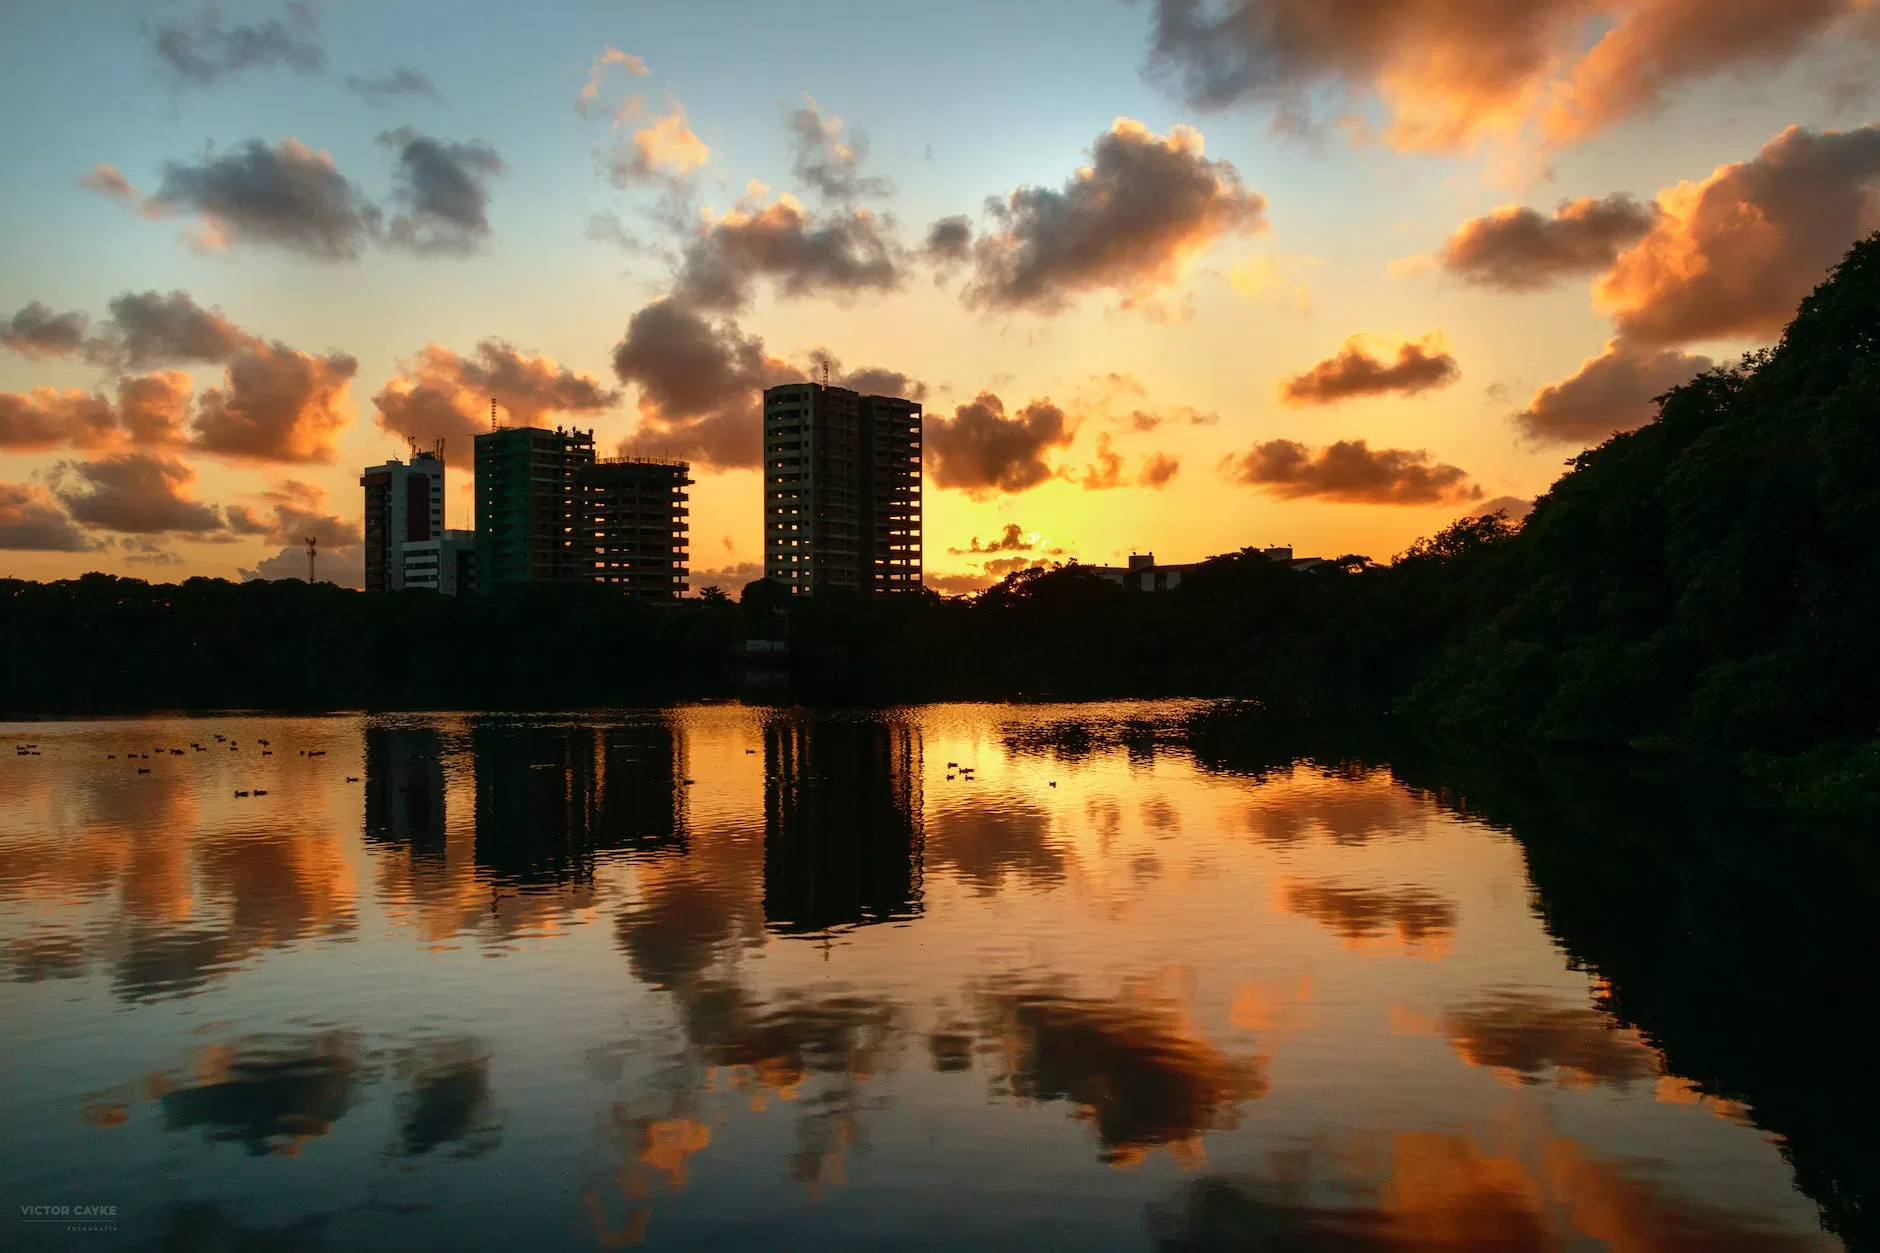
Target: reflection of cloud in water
[(814, 1053), (1524, 1036), (1275, 1005), (1421, 920), (281, 888), (981, 842), (1440, 1191), (448, 1100), (1346, 808), (1160, 816), (274, 890), (203, 1225), (682, 920), (665, 1145), (1132, 1066), (778, 1044), (270, 1095), (158, 963), (129, 837), (36, 958)]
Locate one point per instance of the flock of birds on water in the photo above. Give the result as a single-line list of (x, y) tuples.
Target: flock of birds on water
[(267, 750), (954, 769)]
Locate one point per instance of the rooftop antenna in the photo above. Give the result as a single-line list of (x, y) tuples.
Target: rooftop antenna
[(825, 365), (313, 551), (492, 413)]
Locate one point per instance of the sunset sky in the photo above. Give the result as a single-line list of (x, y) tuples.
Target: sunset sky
[(1172, 275)]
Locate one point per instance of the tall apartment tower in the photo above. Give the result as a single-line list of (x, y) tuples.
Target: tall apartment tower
[(841, 489), (404, 502), (529, 505), (634, 524)]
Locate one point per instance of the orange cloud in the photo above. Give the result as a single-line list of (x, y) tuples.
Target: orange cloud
[(841, 253), (1107, 471), (1360, 369), (134, 493), (30, 521), (289, 196), (1349, 471), (826, 162), (982, 452), (277, 404), (664, 146), (1654, 46), (440, 395), (1516, 249), (609, 56), (1452, 76), (1609, 393), (700, 383), (1129, 222), (1275, 277), (292, 510), (154, 408), (1733, 255), (51, 417), (36, 331)]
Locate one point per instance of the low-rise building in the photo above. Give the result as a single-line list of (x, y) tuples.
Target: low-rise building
[(1142, 574), (446, 565)]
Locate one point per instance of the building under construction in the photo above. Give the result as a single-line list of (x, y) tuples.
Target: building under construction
[(841, 489), (529, 505), (634, 524), (548, 511)]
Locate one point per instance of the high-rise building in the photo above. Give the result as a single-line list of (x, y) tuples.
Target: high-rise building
[(404, 502), (634, 526), (529, 505), (446, 565), (841, 489)]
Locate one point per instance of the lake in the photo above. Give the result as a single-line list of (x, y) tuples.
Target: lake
[(1117, 976)]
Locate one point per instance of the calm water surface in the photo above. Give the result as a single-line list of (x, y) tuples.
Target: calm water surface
[(737, 977)]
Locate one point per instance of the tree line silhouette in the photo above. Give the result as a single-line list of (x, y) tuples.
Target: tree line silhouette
[(1709, 583)]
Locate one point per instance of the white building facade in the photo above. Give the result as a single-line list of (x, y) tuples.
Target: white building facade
[(446, 565)]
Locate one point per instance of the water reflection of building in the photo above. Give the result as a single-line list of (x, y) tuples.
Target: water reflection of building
[(404, 786), (842, 823), (549, 798)]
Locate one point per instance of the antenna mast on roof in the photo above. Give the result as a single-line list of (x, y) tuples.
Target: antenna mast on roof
[(492, 413), (313, 549), (825, 365)]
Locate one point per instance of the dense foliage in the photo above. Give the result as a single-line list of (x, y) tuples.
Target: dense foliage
[(1709, 582)]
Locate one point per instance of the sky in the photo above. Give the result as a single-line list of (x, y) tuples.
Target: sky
[(1171, 276)]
